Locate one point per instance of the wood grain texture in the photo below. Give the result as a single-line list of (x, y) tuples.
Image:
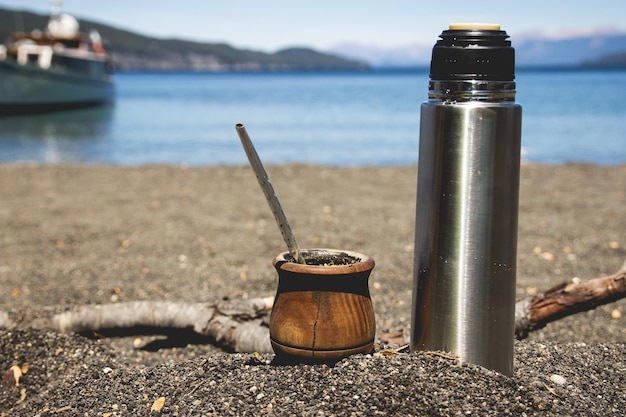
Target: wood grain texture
[(322, 312)]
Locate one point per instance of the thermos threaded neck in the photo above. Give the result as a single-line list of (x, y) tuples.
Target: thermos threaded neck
[(456, 91)]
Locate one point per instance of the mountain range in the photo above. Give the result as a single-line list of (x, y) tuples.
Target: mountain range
[(598, 49), (132, 51)]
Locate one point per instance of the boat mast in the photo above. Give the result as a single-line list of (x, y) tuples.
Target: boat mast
[(56, 8)]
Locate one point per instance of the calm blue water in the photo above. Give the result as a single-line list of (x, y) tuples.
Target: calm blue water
[(324, 118)]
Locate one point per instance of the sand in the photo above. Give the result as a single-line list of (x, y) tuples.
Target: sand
[(76, 235)]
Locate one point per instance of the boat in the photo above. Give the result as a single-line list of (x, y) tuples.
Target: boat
[(56, 69)]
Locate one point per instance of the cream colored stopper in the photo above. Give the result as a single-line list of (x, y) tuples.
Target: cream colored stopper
[(474, 26)]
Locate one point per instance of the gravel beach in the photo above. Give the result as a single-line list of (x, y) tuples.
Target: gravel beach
[(78, 235)]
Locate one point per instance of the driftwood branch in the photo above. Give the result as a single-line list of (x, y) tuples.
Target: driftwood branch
[(242, 326), (566, 299), (239, 326)]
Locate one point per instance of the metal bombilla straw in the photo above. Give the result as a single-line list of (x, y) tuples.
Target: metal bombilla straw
[(270, 194)]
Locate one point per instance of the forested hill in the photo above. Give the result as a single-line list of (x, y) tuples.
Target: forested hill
[(132, 51)]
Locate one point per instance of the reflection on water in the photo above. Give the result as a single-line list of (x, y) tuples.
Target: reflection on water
[(347, 119), (65, 136)]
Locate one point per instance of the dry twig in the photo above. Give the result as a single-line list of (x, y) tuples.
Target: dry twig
[(566, 299), (239, 326)]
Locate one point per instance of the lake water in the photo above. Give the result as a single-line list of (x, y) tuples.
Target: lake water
[(341, 119)]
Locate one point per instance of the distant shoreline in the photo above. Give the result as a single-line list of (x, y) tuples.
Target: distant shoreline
[(420, 69)]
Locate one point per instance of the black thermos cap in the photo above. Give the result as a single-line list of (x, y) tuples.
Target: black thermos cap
[(473, 52)]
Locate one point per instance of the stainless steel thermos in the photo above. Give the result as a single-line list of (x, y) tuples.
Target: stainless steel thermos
[(467, 200)]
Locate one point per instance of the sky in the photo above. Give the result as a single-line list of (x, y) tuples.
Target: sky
[(269, 25)]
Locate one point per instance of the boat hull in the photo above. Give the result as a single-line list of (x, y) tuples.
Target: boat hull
[(28, 89)]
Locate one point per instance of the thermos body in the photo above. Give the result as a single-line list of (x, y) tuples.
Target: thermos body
[(466, 231), (467, 200)]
